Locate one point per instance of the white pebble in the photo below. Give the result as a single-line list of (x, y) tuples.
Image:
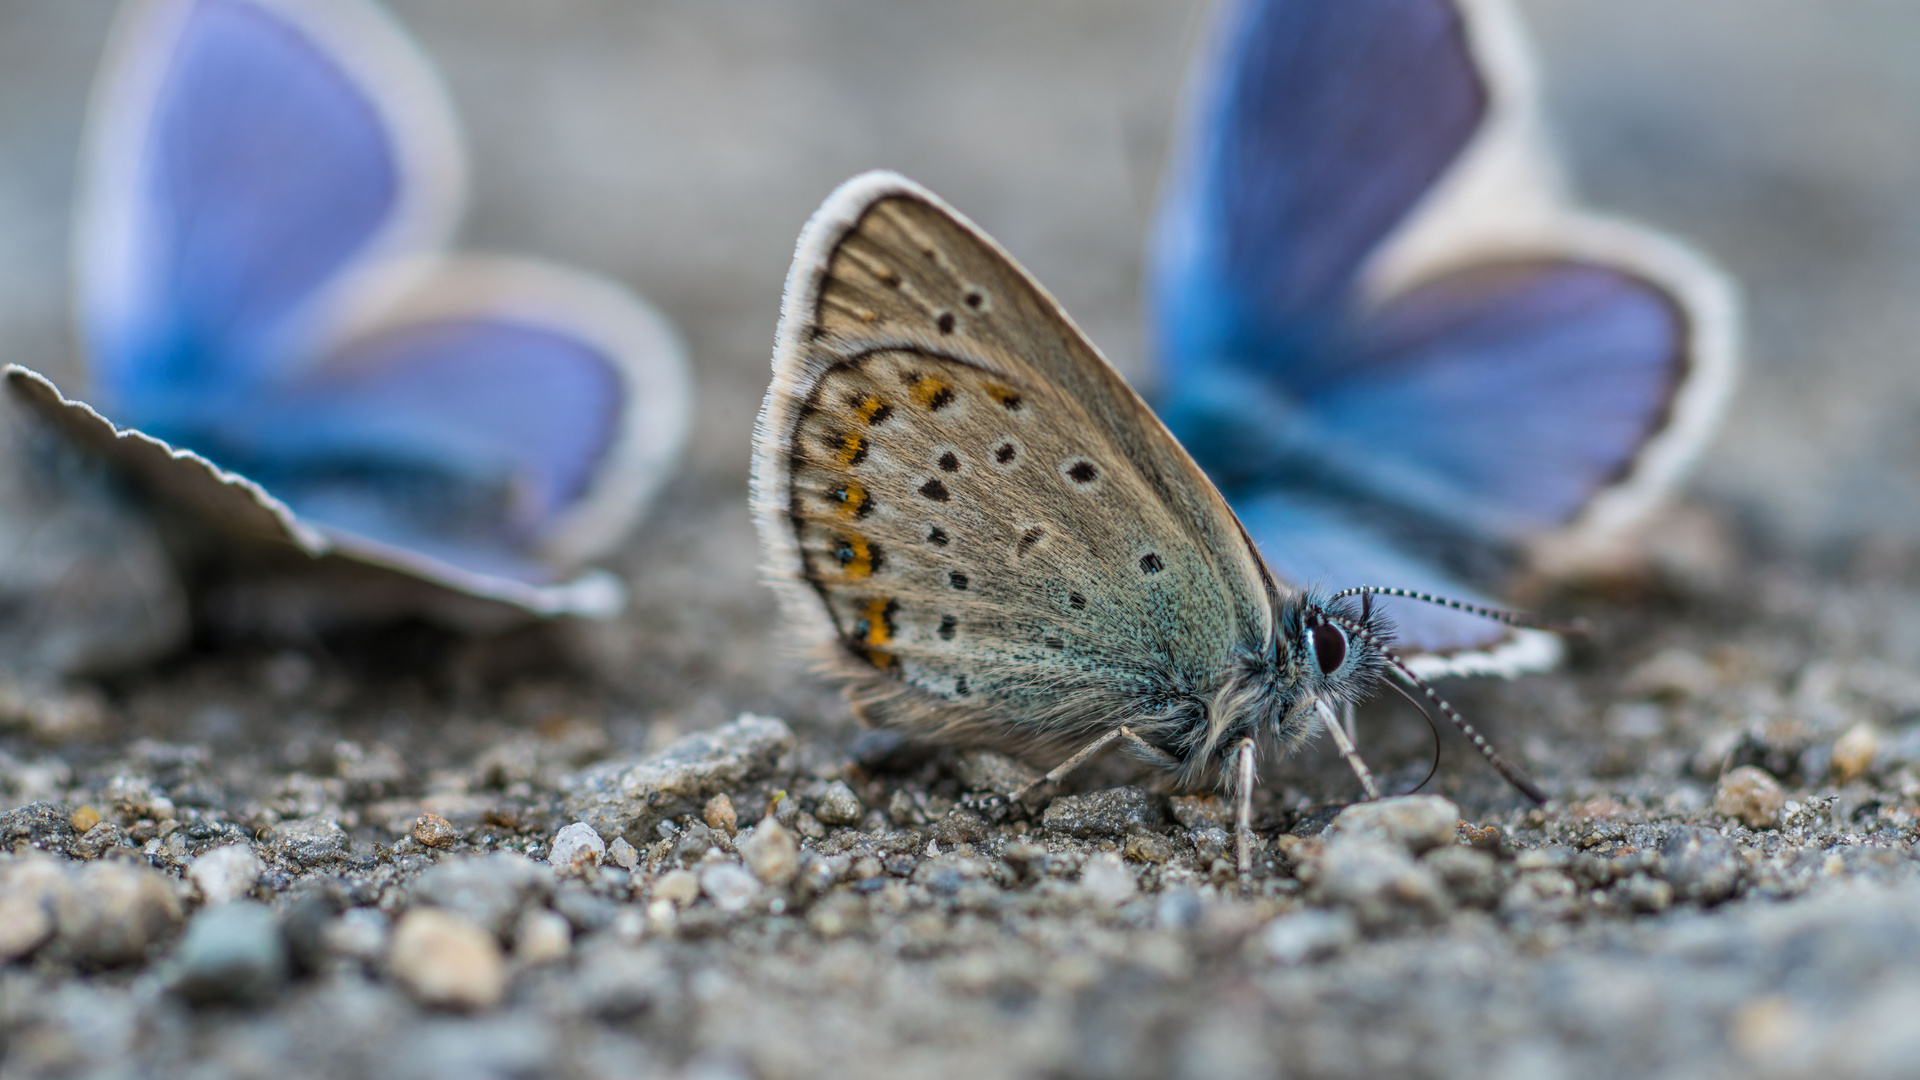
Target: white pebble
[(1107, 879), (576, 848), (728, 885), (226, 873), (622, 854), (1309, 935), (447, 960), (542, 937)]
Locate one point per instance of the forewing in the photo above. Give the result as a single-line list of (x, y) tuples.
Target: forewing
[(245, 158), (970, 503), (1315, 129)]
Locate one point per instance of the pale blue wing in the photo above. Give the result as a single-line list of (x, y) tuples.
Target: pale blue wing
[(1309, 544), (243, 164), (1316, 128), (1502, 399), (464, 439)]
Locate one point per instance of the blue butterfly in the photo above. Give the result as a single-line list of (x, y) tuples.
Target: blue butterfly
[(1390, 339), (279, 343)]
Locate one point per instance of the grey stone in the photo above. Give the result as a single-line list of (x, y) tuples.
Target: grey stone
[(1109, 814), (1471, 877), (231, 953), (728, 885), (1417, 823), (489, 889), (628, 798), (1380, 882), (1700, 864), (772, 853), (838, 806), (993, 773), (45, 825), (311, 842), (1309, 935)]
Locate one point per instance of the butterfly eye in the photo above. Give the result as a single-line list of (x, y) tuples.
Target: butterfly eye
[(1329, 647)]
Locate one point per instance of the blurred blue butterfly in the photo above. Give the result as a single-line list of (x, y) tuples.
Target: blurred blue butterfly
[(1386, 334), (283, 347)]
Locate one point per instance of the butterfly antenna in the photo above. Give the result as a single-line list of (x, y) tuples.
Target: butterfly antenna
[(1499, 615), (1431, 726), (1507, 769)]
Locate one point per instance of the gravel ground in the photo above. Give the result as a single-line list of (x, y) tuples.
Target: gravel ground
[(336, 856)]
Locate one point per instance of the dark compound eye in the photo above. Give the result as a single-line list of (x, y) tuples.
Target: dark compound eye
[(1329, 647)]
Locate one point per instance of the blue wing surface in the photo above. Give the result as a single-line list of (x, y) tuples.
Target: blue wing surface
[(1311, 544), (1317, 130), (246, 171), (463, 438)]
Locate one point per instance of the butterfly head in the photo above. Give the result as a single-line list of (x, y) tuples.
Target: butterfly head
[(1335, 649)]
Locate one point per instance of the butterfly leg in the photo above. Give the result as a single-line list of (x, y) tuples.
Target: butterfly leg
[(1243, 807), (1153, 753), (1339, 732)]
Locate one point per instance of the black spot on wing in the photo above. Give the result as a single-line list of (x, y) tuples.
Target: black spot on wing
[(935, 490)]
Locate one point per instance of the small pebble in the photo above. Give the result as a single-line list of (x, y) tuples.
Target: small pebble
[(447, 960), (1853, 753), (720, 815), (85, 819), (576, 848), (358, 934), (1540, 896), (772, 853), (225, 873), (1700, 864), (30, 887), (114, 912), (1751, 796), (1416, 823), (728, 885), (311, 842), (1309, 935), (231, 953), (903, 811), (622, 854), (1107, 879), (1472, 877), (1114, 812), (1379, 881), (1147, 848), (542, 937), (677, 887), (434, 831), (491, 890), (865, 868), (839, 806)]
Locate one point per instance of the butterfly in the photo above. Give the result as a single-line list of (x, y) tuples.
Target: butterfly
[(994, 540), (1383, 329), (279, 344)]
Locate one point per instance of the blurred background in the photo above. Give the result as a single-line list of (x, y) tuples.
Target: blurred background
[(679, 146)]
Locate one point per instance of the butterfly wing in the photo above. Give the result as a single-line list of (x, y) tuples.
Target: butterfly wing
[(498, 426), (965, 500), (246, 159), (1450, 343), (505, 419), (1316, 131)]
